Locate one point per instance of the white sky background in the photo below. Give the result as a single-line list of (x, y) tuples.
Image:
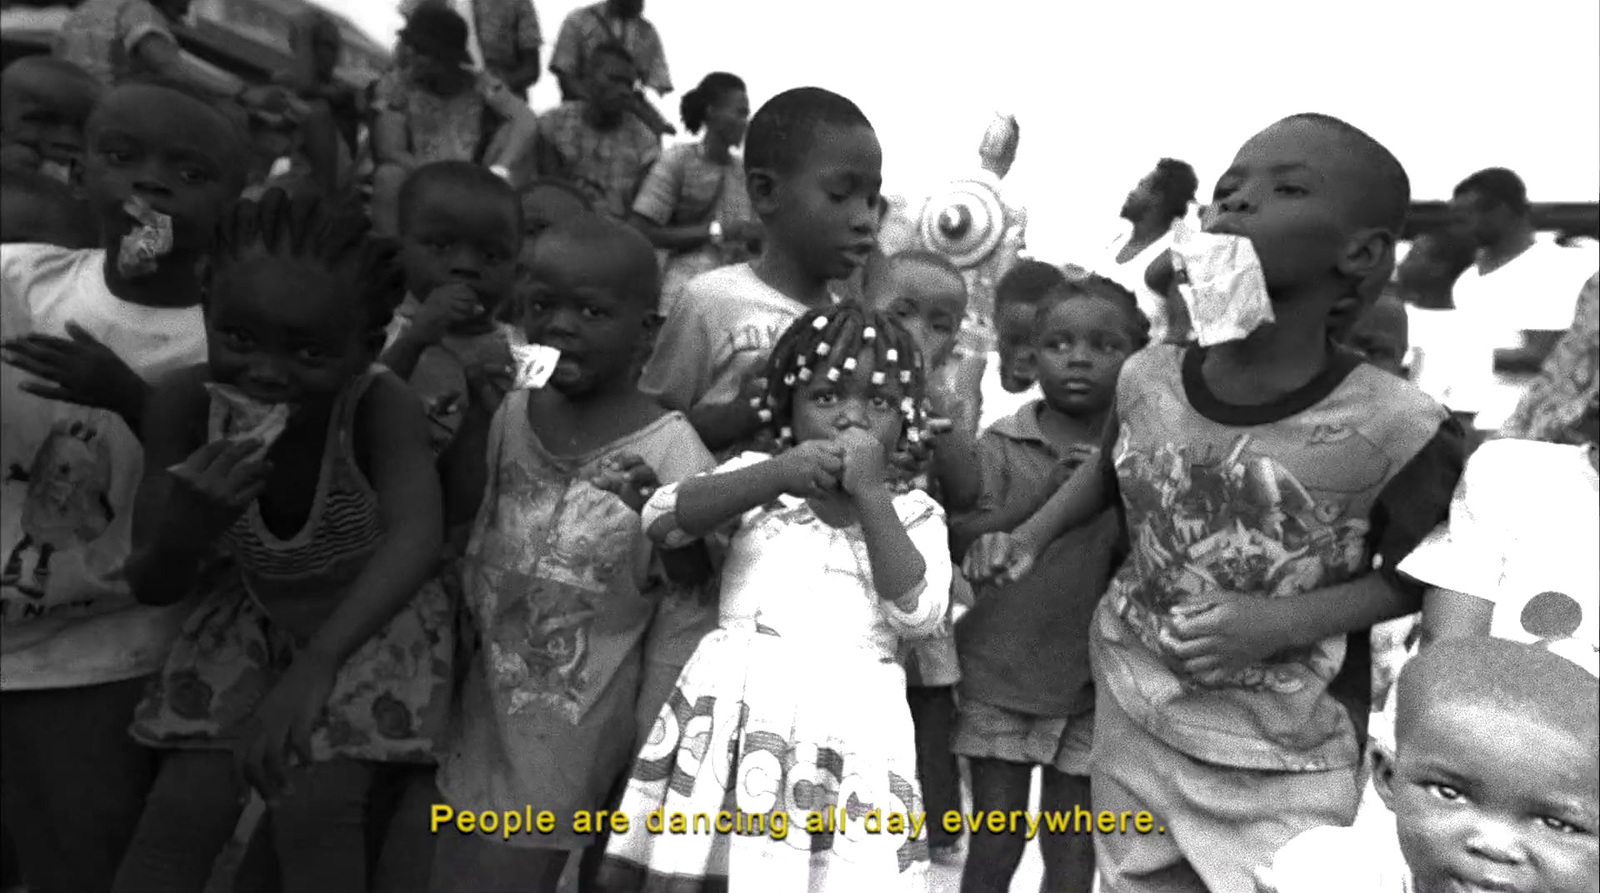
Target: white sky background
[(1103, 89)]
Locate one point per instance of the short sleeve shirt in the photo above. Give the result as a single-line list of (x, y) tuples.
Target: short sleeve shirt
[(607, 165), (590, 26), (101, 35)]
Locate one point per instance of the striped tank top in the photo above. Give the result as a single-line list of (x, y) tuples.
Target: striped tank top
[(340, 533)]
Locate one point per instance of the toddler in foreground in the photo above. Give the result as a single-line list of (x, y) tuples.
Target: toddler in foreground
[(824, 561), (1493, 783)]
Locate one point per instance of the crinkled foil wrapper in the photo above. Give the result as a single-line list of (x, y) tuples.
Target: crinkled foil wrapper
[(1220, 280), (532, 365), (144, 246)]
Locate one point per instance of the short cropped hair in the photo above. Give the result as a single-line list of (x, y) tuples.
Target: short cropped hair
[(784, 129), (1176, 183), (1096, 286), (1027, 282), (461, 175), (1387, 201), (1542, 687), (1499, 185)]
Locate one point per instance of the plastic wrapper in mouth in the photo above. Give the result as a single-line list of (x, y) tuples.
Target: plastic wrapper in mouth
[(237, 417), (532, 365), (58, 171), (1220, 280), (144, 246)]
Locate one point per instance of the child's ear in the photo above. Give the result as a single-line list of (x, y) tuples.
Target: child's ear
[(1383, 775), (763, 189), (647, 338), (1368, 258)]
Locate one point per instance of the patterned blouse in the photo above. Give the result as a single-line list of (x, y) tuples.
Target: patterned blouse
[(440, 128), (687, 187), (590, 26), (1562, 404), (607, 165), (101, 35)]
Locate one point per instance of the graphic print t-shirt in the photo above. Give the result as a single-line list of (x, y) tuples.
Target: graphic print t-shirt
[(1269, 502), (70, 475)]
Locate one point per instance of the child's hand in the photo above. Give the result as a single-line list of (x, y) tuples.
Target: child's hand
[(215, 484), (76, 369), (864, 462), (629, 477), (447, 306), (812, 468), (280, 733), (1213, 640), (998, 559)]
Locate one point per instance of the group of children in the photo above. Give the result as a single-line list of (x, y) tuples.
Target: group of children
[(692, 572)]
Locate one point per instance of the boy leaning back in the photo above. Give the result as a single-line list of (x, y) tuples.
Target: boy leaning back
[(1269, 486)]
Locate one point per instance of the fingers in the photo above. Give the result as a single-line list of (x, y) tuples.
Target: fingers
[(80, 335), (48, 391)]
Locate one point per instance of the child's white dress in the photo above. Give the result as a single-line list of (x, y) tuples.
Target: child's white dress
[(794, 707)]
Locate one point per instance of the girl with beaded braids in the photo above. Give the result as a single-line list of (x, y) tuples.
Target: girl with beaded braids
[(320, 648), (825, 573)]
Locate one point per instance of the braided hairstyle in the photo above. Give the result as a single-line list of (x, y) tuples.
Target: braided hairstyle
[(310, 230), (826, 342)]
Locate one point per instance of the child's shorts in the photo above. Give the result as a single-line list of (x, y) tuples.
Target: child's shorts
[(986, 732), (1214, 824)]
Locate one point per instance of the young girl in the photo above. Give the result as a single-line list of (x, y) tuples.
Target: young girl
[(790, 721), (558, 580), (1026, 695), (312, 656)]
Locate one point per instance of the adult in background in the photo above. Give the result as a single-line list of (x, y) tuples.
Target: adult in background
[(693, 206), (503, 38), (116, 39), (1562, 404), (434, 106), (1511, 305), (620, 22), (593, 142), (1156, 208)]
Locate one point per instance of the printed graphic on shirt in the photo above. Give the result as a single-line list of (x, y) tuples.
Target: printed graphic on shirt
[(1220, 517), (65, 492)]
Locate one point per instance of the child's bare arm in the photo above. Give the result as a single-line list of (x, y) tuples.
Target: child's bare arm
[(394, 433), (898, 568), (955, 466), (1447, 614), (166, 561), (720, 425), (708, 502), (1079, 501)]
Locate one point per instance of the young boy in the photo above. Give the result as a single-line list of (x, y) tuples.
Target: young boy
[(1008, 379), (813, 166), (81, 339), (925, 292), (44, 105), (1026, 699), (1260, 480), (460, 234), (1492, 784)]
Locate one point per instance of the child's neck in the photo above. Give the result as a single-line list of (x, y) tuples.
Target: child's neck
[(1276, 360), (1063, 430), (576, 426), (1505, 249), (787, 276), (174, 284)]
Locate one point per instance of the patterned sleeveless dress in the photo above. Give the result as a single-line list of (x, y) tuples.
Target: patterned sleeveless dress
[(390, 700)]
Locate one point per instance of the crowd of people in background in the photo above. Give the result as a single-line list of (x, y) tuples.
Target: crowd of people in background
[(376, 459)]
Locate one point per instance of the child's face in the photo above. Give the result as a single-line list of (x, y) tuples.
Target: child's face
[(180, 156), (584, 303), (461, 236), (1289, 191), (824, 409), (928, 302), (1082, 343), (1484, 800), (46, 112), (826, 211), (284, 332), (1014, 327)]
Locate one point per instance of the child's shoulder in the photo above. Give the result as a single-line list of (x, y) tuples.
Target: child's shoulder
[(25, 261), (915, 507), (1392, 409), (704, 292)]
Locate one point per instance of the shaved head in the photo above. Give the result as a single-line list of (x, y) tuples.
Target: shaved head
[(630, 264), (1378, 190), (1542, 688)]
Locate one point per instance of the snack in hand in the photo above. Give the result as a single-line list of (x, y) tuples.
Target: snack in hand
[(533, 364), (146, 243), (1220, 280), (235, 416)]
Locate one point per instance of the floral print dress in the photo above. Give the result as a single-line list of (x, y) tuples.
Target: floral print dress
[(391, 698)]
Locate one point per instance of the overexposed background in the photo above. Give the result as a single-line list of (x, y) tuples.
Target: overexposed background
[(1104, 89)]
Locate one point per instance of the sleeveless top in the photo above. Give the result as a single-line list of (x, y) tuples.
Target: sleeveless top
[(341, 531)]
